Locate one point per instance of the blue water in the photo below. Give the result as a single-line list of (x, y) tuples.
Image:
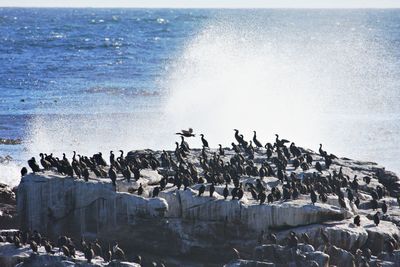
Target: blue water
[(100, 79)]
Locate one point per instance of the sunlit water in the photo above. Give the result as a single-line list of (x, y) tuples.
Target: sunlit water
[(94, 80)]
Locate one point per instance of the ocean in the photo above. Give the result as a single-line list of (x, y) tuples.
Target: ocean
[(95, 80)]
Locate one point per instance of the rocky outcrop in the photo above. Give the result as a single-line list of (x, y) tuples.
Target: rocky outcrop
[(11, 256), (181, 222)]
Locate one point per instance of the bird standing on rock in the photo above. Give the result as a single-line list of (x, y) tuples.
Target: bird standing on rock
[(357, 220), (204, 141), (33, 165), (376, 218), (113, 175)]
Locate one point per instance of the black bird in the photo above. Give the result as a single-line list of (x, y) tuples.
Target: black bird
[(140, 190), (313, 197), (33, 165), (204, 141), (226, 192), (156, 190), (357, 220), (221, 150), (342, 202), (119, 254), (367, 179), (256, 142), (212, 189), (384, 207), (262, 196), (108, 254), (202, 188), (350, 195), (34, 246), (89, 253), (46, 165), (186, 133), (376, 218), (270, 198), (24, 171), (374, 204), (113, 175), (318, 166)]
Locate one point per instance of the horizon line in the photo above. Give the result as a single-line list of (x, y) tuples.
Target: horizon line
[(198, 7)]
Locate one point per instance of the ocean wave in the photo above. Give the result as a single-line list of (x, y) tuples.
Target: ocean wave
[(9, 171)]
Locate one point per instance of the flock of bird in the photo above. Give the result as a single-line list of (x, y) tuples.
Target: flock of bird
[(215, 167), (67, 246)]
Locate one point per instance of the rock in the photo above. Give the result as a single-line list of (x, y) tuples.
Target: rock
[(340, 257), (319, 257), (54, 204), (377, 235)]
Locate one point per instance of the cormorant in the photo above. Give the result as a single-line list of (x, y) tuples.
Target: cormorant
[(256, 142), (376, 218), (357, 220), (24, 171), (384, 207), (186, 133), (113, 175), (33, 165), (140, 190), (262, 196), (204, 141), (226, 192), (212, 189), (313, 197), (202, 188)]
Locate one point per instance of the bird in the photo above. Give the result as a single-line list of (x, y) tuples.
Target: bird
[(262, 196), (186, 133), (212, 189), (376, 218), (202, 188), (113, 175), (256, 142), (226, 192), (384, 207), (313, 197), (24, 171), (140, 190), (357, 220), (204, 141), (33, 165)]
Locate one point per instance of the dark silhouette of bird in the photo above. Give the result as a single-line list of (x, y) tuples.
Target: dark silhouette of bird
[(384, 207), (226, 192), (204, 141), (140, 190), (186, 133), (262, 196), (202, 188), (376, 218), (113, 175), (33, 165), (313, 197), (24, 171), (357, 220), (256, 142), (212, 189)]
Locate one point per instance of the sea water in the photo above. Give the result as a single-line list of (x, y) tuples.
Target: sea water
[(95, 80)]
